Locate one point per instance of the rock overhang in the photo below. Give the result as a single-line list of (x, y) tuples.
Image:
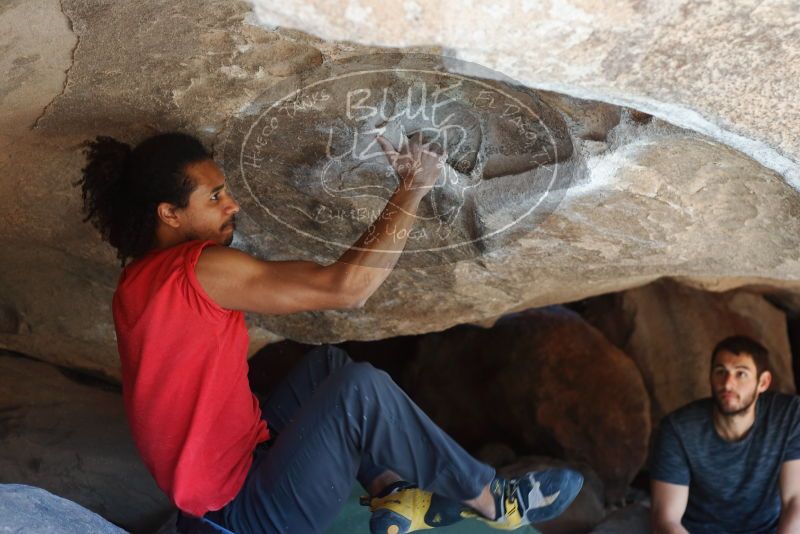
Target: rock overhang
[(649, 200)]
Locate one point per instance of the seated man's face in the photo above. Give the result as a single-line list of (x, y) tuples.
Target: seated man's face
[(735, 383)]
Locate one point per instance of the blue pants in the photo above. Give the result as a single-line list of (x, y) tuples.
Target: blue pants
[(335, 421)]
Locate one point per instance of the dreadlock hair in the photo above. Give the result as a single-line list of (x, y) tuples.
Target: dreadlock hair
[(122, 187)]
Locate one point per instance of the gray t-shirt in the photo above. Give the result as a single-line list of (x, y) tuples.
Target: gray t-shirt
[(733, 486)]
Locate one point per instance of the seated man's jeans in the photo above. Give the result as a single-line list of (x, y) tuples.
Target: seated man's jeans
[(334, 421)]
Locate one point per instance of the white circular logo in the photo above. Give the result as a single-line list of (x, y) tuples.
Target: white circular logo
[(304, 162)]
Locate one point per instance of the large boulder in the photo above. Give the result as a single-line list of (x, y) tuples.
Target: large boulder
[(726, 69), (303, 157), (67, 434), (29, 510), (655, 202), (633, 519), (634, 202), (543, 381)]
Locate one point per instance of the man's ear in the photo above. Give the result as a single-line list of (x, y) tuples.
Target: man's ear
[(764, 381), (167, 213)]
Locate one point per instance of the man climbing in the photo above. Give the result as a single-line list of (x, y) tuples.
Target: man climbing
[(225, 460)]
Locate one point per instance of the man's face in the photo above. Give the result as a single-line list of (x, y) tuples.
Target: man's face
[(735, 382), (211, 213)]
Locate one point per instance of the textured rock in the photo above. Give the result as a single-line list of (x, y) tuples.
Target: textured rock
[(658, 202), (589, 120), (647, 202), (289, 58), (548, 382), (71, 438), (305, 165), (727, 69), (28, 509), (670, 330), (33, 70)]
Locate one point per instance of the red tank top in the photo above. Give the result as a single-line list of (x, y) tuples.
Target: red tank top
[(192, 414)]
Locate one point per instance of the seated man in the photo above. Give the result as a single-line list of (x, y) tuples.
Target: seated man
[(287, 465), (730, 463)]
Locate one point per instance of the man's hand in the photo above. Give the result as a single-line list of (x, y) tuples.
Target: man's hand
[(418, 165)]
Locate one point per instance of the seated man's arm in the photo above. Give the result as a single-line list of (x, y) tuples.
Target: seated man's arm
[(670, 477), (790, 497), (668, 505), (238, 281)]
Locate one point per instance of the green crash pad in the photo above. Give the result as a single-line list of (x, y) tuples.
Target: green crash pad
[(354, 519)]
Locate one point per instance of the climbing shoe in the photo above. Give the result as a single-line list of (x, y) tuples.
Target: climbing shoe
[(535, 497), (403, 507)]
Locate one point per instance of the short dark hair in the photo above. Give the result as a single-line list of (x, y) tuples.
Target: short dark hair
[(122, 186), (744, 345)]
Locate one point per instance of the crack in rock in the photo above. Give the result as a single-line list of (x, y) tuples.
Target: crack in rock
[(66, 72)]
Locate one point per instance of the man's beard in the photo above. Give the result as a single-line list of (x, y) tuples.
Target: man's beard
[(732, 412), (231, 224), (228, 240)]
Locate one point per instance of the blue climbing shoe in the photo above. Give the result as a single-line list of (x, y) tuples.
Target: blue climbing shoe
[(533, 498)]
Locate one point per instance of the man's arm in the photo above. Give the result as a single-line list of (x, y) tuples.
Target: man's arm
[(236, 280), (790, 497), (669, 504)]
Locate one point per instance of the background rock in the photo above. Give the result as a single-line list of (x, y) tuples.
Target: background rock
[(634, 519), (670, 330), (67, 434), (545, 381), (496, 454)]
